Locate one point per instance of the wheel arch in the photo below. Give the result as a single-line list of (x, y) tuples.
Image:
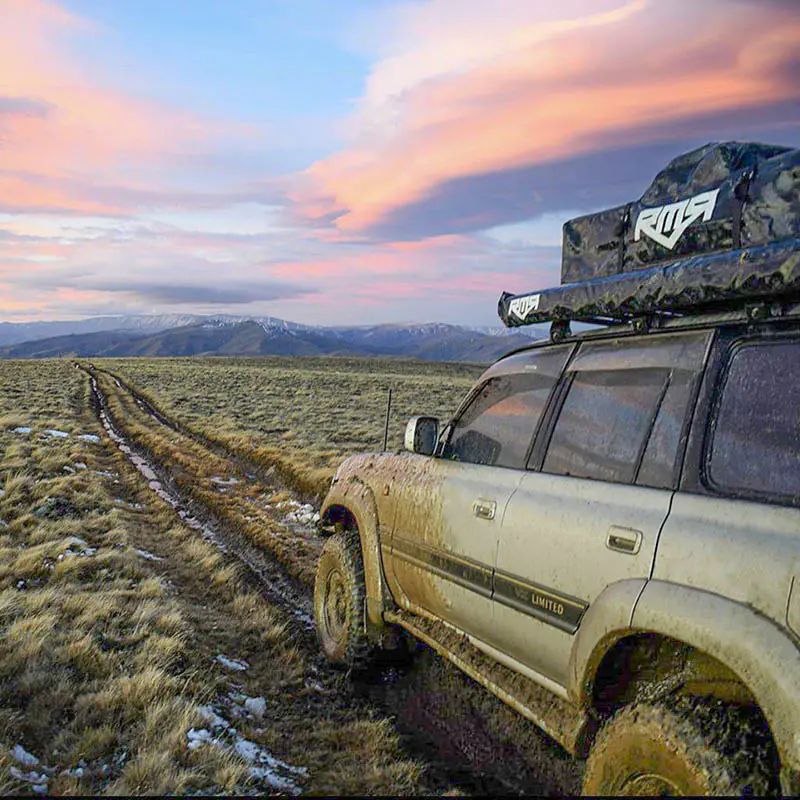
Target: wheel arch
[(728, 643), (353, 505)]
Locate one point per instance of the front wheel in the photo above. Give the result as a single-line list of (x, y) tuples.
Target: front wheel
[(705, 748), (340, 601)]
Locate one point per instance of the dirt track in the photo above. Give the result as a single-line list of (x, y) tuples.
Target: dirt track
[(469, 741)]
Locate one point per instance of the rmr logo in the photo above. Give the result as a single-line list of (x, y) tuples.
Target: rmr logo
[(666, 224)]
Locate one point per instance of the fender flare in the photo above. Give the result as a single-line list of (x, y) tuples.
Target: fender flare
[(353, 495), (763, 656)]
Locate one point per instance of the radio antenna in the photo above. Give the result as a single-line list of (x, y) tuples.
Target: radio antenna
[(386, 425)]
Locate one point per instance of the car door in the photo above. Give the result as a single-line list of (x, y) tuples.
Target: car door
[(589, 512), (449, 507)]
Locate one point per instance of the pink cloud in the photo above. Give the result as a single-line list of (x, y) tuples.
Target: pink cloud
[(62, 129), (465, 89)]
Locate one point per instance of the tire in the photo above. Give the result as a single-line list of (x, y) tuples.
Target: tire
[(340, 602), (696, 748)]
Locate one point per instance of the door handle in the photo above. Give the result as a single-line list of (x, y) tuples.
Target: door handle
[(624, 540), (484, 509)]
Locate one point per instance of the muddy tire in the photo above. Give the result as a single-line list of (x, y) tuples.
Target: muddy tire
[(695, 748), (340, 602)]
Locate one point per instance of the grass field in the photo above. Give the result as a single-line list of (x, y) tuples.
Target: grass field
[(306, 414), (134, 656)]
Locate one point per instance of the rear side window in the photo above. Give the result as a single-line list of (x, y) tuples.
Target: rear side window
[(755, 446), (605, 423), (625, 413), (498, 425)]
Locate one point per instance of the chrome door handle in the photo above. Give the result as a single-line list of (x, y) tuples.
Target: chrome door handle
[(624, 540), (484, 509)]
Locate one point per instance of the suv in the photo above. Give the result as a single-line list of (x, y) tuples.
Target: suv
[(607, 533), (607, 536)]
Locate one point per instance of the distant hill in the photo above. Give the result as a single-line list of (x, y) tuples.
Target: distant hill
[(232, 336), (16, 332)]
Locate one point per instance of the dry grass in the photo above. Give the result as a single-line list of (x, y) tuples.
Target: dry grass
[(302, 415), (107, 657)]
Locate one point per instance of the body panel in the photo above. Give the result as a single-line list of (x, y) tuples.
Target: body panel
[(746, 551), (444, 539), (554, 534)]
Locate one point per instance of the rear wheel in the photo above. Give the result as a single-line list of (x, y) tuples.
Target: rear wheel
[(700, 748), (340, 601)]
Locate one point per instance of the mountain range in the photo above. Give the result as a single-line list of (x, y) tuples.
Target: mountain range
[(190, 335)]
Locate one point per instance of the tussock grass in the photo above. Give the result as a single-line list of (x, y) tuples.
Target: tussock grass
[(106, 658), (300, 416)]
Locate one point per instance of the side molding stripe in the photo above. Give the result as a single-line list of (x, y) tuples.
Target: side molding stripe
[(544, 604)]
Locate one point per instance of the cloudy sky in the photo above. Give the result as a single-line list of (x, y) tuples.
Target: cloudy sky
[(342, 162)]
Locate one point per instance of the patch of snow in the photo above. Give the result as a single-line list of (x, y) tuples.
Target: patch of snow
[(89, 437), (147, 556), (267, 768), (82, 549), (22, 429), (69, 469), (56, 434), (257, 706), (75, 541), (77, 772), (103, 473), (234, 664), (299, 513), (224, 481), (20, 754), (264, 766), (198, 737), (80, 465), (212, 718), (2, 493), (39, 782)]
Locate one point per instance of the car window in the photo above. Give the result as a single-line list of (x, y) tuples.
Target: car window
[(660, 460), (605, 422), (497, 426), (755, 446)]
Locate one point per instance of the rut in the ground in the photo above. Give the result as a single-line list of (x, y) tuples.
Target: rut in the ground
[(468, 737)]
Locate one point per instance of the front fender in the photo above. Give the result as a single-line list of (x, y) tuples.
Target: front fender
[(354, 496), (762, 655)]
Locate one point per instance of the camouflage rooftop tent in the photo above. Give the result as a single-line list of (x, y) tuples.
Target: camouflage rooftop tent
[(717, 225)]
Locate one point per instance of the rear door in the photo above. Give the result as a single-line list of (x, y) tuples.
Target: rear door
[(590, 510), (449, 507)]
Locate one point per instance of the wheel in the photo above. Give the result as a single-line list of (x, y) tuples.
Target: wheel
[(695, 748), (340, 601)]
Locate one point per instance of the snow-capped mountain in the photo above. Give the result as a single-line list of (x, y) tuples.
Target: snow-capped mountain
[(179, 335)]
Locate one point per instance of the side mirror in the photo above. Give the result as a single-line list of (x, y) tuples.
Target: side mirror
[(422, 434)]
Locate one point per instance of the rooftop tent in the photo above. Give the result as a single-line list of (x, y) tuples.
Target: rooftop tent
[(720, 224)]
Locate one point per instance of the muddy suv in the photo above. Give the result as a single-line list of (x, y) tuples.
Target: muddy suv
[(606, 535)]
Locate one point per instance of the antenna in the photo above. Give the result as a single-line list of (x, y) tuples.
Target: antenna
[(386, 426)]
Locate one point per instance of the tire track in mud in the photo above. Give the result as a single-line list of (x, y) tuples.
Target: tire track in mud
[(466, 737)]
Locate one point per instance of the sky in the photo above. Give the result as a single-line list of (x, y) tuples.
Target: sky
[(351, 162)]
